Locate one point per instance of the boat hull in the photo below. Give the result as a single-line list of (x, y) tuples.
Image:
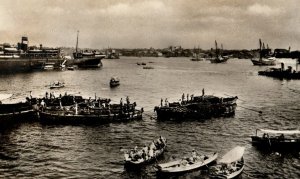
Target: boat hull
[(280, 74), (218, 60), (11, 114), (88, 62), (60, 117), (11, 65), (195, 112), (176, 167), (263, 62), (276, 143)]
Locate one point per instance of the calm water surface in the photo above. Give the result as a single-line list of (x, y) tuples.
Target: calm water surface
[(36, 151)]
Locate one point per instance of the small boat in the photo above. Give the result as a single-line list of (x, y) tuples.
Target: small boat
[(219, 58), (277, 139), (136, 158), (148, 67), (262, 60), (230, 165), (187, 164), (57, 85), (114, 81)]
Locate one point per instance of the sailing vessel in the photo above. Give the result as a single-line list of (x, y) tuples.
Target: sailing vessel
[(196, 55), (219, 58), (87, 59), (263, 60), (230, 165)]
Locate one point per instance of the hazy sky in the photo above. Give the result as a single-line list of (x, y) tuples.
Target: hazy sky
[(238, 24)]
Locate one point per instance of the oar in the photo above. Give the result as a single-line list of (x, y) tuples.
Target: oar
[(238, 98), (260, 112)]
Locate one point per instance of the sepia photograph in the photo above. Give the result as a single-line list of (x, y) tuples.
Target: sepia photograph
[(142, 89)]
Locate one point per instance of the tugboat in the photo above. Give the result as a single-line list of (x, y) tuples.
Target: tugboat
[(281, 73), (198, 107)]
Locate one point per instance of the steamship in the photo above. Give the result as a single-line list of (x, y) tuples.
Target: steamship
[(86, 59), (25, 58)]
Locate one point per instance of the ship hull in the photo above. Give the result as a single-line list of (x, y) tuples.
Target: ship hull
[(12, 65), (88, 62), (263, 62)]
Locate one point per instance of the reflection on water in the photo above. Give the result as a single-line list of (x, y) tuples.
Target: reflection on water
[(32, 150)]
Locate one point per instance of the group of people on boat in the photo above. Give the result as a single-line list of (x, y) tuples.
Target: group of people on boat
[(147, 152)]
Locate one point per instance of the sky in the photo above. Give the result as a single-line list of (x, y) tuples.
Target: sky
[(237, 24)]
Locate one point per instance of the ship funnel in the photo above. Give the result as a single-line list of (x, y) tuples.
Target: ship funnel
[(24, 43)]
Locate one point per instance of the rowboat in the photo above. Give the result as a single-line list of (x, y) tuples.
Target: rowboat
[(230, 165), (57, 85), (136, 158), (277, 139), (114, 81), (187, 164)]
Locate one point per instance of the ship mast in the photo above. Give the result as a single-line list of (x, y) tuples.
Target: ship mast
[(260, 50), (77, 42), (216, 49)]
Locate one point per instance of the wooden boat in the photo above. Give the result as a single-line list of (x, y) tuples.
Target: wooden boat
[(88, 112), (15, 113), (197, 56), (277, 139), (57, 85), (135, 158), (281, 73), (148, 67), (230, 165), (262, 60), (114, 81), (219, 58), (187, 164), (199, 107)]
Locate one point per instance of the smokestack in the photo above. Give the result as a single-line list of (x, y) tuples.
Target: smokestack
[(24, 43)]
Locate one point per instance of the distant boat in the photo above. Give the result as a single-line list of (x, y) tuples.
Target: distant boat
[(219, 58), (185, 165), (263, 60), (277, 139), (114, 81), (196, 55), (57, 85), (230, 165), (148, 67)]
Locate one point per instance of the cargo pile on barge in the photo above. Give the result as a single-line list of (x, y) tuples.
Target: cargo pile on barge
[(198, 107)]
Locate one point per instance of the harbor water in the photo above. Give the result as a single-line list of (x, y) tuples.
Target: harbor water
[(33, 150)]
